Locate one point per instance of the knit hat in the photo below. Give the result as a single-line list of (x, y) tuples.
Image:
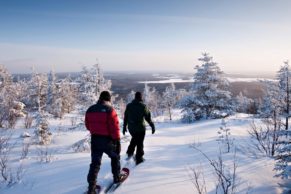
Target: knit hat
[(105, 95), (138, 96)]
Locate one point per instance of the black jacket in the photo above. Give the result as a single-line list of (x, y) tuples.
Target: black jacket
[(135, 114)]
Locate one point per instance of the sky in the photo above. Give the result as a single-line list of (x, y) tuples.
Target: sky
[(144, 35)]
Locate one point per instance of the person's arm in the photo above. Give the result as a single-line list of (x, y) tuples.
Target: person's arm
[(149, 119), (125, 121), (86, 121), (113, 125)]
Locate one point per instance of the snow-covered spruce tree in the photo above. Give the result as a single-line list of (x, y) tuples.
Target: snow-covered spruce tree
[(209, 96), (243, 103), (130, 96), (283, 156), (42, 132), (5, 77), (283, 152), (271, 102), (151, 99), (169, 99), (36, 93), (284, 81), (10, 106), (120, 106), (5, 81), (92, 83), (51, 92), (64, 99), (16, 111)]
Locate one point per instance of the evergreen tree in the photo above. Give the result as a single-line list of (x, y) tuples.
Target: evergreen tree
[(243, 104), (65, 98), (36, 95), (209, 96), (283, 156), (271, 103), (5, 77), (120, 107), (51, 93), (284, 81), (130, 96), (42, 132), (169, 99), (151, 99), (92, 83), (283, 151), (10, 93)]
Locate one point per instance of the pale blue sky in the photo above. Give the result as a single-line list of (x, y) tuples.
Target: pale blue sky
[(144, 35)]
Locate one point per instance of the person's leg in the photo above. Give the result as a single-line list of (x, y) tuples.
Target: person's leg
[(96, 157), (139, 147), (114, 155), (132, 145)]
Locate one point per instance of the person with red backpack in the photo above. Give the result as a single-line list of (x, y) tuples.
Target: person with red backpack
[(102, 122)]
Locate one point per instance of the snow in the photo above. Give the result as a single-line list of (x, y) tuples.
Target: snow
[(168, 158)]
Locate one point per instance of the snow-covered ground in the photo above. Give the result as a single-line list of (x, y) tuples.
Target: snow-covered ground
[(169, 158)]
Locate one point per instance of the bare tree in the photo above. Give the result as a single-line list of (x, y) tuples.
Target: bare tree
[(265, 137), (197, 178), (226, 176)]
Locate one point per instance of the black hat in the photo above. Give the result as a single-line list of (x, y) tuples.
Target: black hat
[(138, 96), (105, 95)]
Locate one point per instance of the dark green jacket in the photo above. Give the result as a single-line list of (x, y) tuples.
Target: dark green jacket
[(135, 114)]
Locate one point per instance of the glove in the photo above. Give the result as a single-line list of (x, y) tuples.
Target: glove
[(124, 130), (116, 146), (153, 129)]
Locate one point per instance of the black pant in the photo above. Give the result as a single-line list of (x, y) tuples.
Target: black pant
[(100, 145), (137, 139)]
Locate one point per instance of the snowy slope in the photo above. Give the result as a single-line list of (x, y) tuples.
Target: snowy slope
[(166, 170)]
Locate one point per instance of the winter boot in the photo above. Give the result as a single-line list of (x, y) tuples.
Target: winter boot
[(91, 189), (117, 179), (139, 160), (129, 156)]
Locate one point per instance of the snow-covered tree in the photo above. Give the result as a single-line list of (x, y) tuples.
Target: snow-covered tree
[(284, 81), (243, 103), (10, 106), (130, 96), (64, 99), (5, 77), (151, 99), (92, 83), (271, 103), (169, 99), (52, 92), (209, 96), (36, 93), (224, 135), (42, 132), (16, 111), (120, 107), (283, 156)]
